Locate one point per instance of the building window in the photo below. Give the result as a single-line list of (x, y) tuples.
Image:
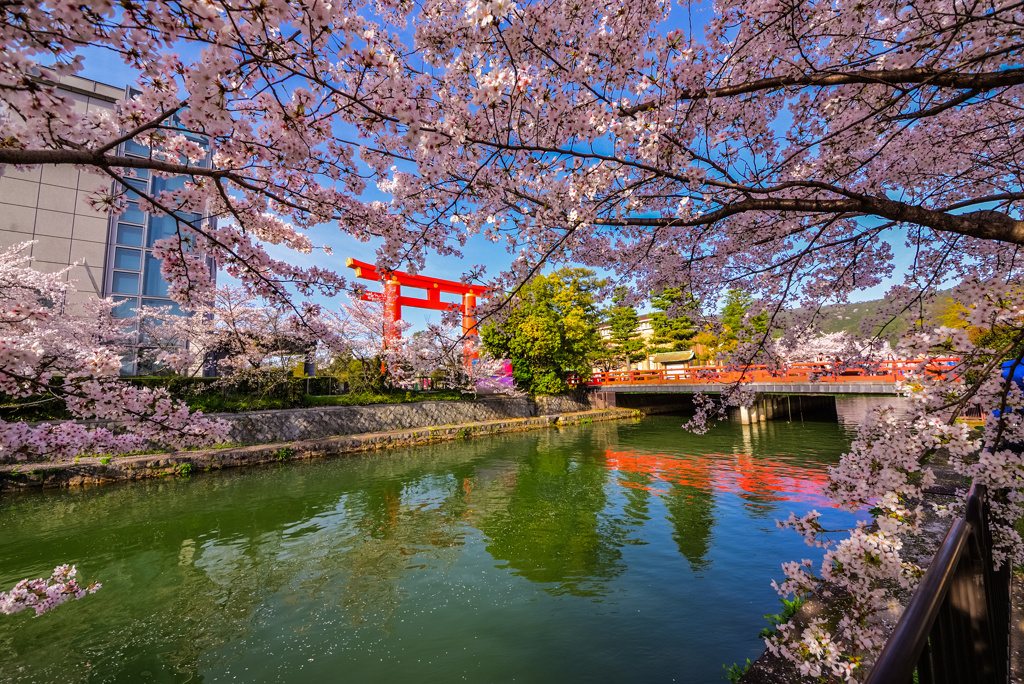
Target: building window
[(137, 149), (153, 285), (125, 283), (129, 235), (128, 259), (131, 259), (125, 307), (133, 214), (164, 226)]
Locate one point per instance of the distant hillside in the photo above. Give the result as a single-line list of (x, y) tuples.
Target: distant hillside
[(848, 317)]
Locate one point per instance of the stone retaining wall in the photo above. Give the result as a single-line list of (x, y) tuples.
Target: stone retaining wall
[(261, 427), (95, 470), (546, 406), (285, 425)]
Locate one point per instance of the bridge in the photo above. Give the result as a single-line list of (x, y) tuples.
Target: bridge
[(814, 385)]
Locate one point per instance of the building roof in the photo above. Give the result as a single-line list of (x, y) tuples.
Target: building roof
[(675, 357)]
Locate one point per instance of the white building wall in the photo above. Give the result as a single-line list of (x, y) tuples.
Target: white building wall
[(49, 204)]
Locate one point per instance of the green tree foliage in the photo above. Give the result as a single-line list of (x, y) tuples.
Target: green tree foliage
[(1003, 339), (736, 326), (550, 332), (337, 367), (367, 375), (734, 311), (624, 346), (671, 325), (737, 303)]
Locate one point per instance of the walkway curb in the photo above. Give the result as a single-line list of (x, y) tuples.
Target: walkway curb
[(93, 471)]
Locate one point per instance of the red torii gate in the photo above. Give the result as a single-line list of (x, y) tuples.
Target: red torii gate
[(394, 301)]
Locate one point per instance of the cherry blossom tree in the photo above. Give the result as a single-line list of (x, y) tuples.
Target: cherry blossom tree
[(440, 351), (47, 352), (889, 467), (373, 341), (748, 153), (786, 149), (831, 346), (234, 331)]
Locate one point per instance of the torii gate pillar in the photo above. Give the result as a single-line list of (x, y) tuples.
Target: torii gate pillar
[(392, 311), (469, 331)]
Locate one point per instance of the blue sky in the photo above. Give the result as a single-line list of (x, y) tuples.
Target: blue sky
[(104, 66)]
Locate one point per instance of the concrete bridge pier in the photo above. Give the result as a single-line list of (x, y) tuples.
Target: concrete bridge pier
[(787, 407), (765, 407), (753, 413)]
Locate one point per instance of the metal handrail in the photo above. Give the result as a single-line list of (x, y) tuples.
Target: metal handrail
[(957, 625)]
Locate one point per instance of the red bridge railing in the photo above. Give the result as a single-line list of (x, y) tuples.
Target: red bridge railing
[(881, 371)]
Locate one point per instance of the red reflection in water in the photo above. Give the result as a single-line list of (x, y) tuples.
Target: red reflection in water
[(762, 480)]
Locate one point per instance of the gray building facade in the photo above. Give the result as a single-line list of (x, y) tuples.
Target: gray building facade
[(112, 254)]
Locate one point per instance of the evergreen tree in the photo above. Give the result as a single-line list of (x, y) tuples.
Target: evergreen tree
[(673, 328), (624, 346), (734, 312), (737, 302)]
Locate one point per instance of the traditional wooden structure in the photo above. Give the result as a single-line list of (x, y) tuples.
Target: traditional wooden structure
[(394, 300)]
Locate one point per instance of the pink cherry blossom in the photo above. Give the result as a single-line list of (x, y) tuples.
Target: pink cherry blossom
[(74, 357), (797, 151), (45, 594)]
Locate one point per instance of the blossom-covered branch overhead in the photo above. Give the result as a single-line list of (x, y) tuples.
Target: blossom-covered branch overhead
[(591, 132)]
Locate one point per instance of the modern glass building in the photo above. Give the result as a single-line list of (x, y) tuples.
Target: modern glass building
[(133, 275), (115, 253)]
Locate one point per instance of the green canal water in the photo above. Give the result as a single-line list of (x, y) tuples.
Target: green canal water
[(612, 552)]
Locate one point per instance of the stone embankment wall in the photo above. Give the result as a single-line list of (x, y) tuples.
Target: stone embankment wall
[(262, 427), (549, 406), (287, 425), (102, 470)]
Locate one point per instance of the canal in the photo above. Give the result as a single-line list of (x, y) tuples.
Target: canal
[(630, 551)]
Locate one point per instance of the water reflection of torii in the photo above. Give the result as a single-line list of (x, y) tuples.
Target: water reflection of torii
[(393, 300)]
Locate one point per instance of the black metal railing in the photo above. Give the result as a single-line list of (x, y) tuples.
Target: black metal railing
[(956, 628)]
